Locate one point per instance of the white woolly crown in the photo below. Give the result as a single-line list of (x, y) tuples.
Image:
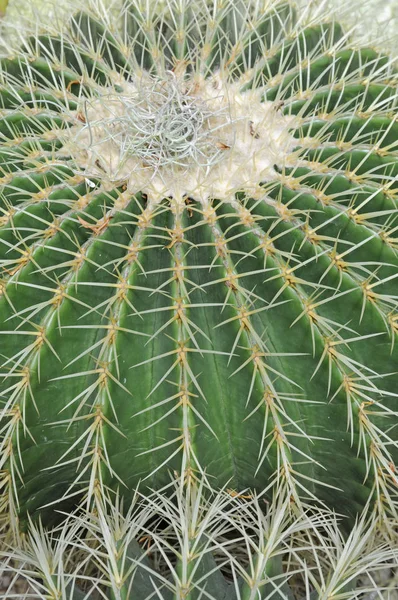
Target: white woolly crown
[(199, 137)]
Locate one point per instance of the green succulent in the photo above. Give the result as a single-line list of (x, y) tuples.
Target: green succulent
[(198, 304)]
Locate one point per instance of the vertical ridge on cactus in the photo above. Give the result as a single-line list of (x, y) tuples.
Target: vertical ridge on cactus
[(199, 277)]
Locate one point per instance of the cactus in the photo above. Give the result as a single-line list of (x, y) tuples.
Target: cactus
[(198, 299)]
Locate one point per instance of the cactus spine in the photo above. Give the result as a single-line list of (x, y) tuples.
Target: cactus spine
[(199, 278)]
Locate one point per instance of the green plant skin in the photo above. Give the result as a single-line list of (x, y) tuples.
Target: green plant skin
[(172, 366)]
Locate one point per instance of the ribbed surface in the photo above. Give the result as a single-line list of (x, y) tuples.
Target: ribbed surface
[(252, 338)]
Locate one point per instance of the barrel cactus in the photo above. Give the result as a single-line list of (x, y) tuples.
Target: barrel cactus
[(198, 299)]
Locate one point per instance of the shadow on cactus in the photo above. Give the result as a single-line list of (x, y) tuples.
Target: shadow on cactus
[(199, 285)]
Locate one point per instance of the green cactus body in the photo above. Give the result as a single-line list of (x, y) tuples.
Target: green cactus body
[(212, 290)]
